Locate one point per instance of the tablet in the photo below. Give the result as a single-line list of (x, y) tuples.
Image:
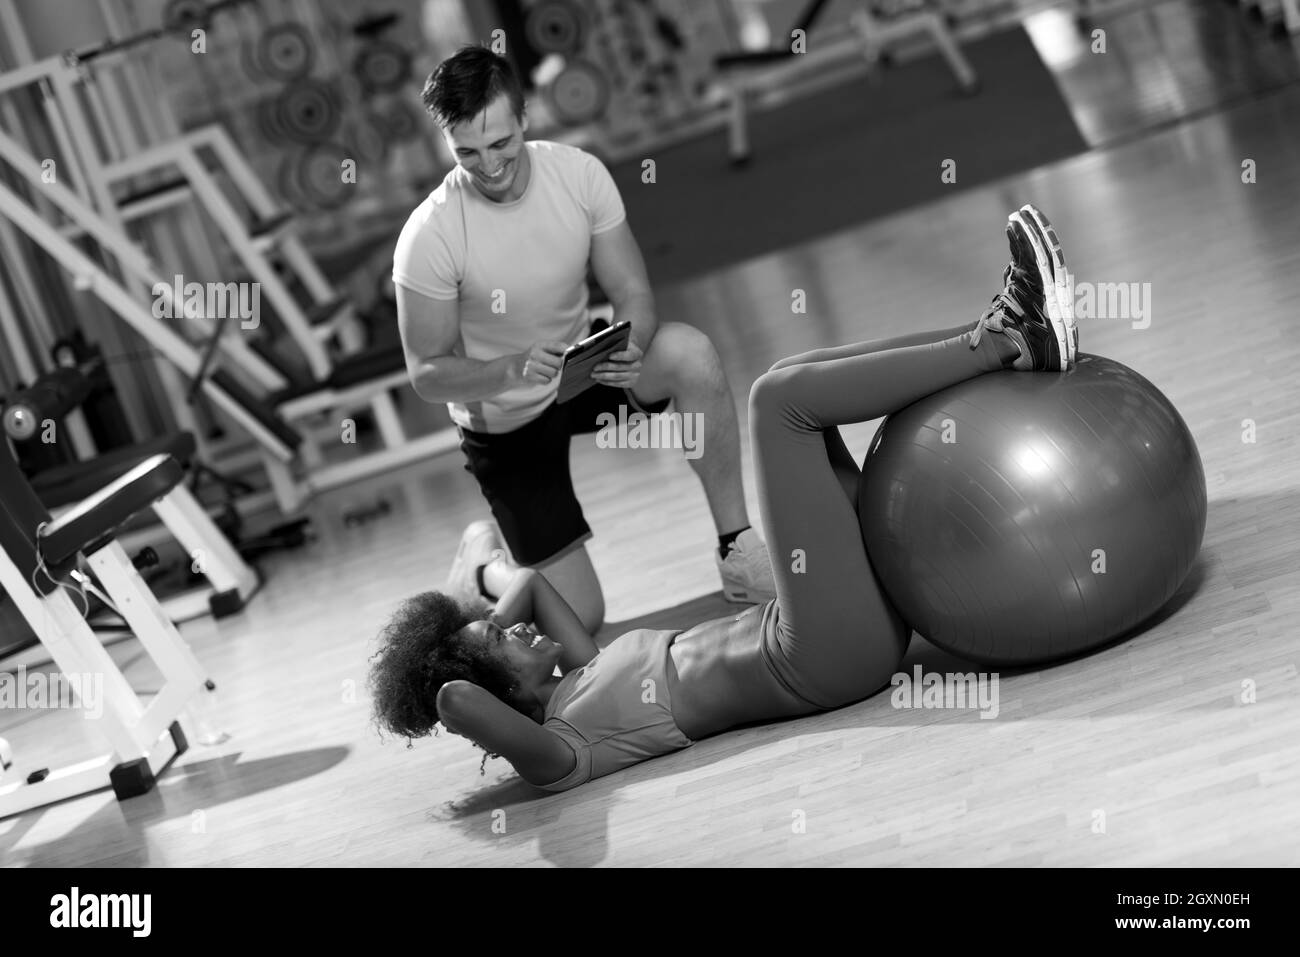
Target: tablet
[(581, 357)]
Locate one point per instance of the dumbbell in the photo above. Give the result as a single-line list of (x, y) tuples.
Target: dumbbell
[(51, 396)]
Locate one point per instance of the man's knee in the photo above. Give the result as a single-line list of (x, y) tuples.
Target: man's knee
[(583, 595), (682, 355), (589, 606), (574, 577)]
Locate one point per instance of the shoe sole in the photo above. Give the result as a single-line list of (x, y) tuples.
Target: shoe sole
[(1048, 279), (741, 597), (1064, 281)]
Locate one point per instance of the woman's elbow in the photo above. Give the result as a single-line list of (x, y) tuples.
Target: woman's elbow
[(452, 701)]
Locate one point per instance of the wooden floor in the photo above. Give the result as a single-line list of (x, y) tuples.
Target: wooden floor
[(1146, 753)]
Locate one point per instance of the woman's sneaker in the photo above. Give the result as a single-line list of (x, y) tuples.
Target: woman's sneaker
[(1062, 281), (1022, 311)]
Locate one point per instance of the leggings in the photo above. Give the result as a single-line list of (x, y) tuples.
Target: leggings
[(832, 636)]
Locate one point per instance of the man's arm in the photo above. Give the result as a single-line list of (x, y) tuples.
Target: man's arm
[(430, 330), (619, 268), (531, 599)]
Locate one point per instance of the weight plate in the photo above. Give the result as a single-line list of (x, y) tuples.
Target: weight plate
[(555, 26), (308, 111), (578, 94), (382, 67), (285, 52), (268, 121), (320, 176), (250, 60)]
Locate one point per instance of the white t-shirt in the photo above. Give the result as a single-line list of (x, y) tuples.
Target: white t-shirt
[(518, 269)]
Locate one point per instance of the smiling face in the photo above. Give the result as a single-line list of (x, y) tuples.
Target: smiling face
[(490, 147), (531, 657)]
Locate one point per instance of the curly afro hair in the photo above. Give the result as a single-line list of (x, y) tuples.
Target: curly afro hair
[(421, 650)]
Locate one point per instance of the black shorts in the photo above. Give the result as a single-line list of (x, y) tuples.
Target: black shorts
[(525, 477)]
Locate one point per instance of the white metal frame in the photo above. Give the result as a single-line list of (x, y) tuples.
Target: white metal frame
[(75, 125), (873, 36), (291, 492), (218, 562), (134, 312), (133, 729), (94, 212)]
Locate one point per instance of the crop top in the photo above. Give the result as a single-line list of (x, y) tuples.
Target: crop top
[(616, 710)]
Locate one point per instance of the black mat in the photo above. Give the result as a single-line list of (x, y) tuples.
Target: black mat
[(847, 155)]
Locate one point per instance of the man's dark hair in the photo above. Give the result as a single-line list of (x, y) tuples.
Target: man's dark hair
[(465, 83)]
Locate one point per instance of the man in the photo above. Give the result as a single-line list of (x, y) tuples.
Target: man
[(491, 284)]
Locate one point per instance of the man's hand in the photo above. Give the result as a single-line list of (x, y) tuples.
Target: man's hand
[(621, 369), (539, 365)]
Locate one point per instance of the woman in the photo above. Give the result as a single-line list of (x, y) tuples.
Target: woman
[(831, 636)]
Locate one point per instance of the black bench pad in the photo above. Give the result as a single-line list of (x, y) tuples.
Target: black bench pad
[(373, 363), (67, 484), (93, 522)]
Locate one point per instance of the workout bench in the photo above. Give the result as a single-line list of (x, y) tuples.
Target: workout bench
[(58, 394), (39, 562), (744, 74)]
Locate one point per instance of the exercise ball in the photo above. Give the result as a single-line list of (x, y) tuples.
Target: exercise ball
[(1017, 518)]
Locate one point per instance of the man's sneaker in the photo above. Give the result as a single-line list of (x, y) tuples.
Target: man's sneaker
[(1021, 310), (1063, 281), (480, 543), (747, 571)]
